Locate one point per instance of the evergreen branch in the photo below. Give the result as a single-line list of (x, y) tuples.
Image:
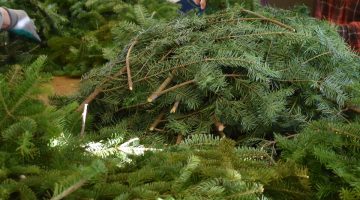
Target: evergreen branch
[(259, 190), (167, 70), (128, 69), (166, 55), (341, 132), (190, 114), (236, 20), (271, 143), (317, 56), (22, 99), (14, 75), (134, 106), (155, 95), (254, 34), (268, 52), (183, 66), (157, 121), (268, 19), (70, 190), (8, 113)]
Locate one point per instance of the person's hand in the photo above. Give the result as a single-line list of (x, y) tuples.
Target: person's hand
[(22, 25), (202, 3)]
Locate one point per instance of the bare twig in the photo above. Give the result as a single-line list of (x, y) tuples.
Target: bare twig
[(155, 95), (157, 121), (128, 69), (99, 89), (175, 87), (70, 190), (354, 109), (175, 107), (268, 19)]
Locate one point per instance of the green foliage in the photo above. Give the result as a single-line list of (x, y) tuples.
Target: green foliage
[(201, 167), (248, 70), (331, 153), (27, 125)]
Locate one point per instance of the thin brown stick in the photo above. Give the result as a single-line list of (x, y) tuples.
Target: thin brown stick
[(70, 190), (176, 87), (355, 109), (156, 122), (175, 107), (89, 99), (179, 139), (268, 19), (98, 90), (166, 55), (155, 95), (128, 69)]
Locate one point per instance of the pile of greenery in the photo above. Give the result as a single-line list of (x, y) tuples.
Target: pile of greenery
[(249, 74), (283, 86)]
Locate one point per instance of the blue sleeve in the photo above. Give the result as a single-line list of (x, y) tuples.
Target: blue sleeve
[(187, 5)]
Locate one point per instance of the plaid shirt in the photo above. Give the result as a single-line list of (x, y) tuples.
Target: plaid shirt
[(346, 14)]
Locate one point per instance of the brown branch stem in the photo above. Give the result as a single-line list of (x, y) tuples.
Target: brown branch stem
[(176, 87), (99, 89), (157, 121), (70, 190), (161, 88), (128, 69), (268, 19), (175, 107)]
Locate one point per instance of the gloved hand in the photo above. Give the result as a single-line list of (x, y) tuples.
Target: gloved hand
[(22, 25)]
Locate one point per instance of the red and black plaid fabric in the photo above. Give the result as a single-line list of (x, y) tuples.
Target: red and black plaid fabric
[(346, 14)]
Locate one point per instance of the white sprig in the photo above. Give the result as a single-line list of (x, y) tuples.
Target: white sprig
[(113, 147)]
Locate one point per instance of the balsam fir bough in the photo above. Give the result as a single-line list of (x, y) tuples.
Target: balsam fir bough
[(238, 72)]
